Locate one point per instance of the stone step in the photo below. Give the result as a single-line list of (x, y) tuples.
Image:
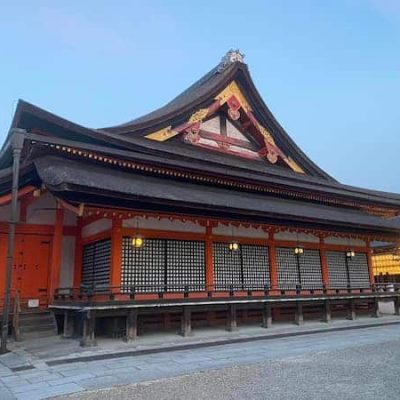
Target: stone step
[(48, 319), (37, 328)]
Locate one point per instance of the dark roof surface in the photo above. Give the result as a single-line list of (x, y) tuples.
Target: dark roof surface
[(63, 175)]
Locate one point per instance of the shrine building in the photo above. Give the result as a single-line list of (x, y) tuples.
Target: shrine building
[(203, 212)]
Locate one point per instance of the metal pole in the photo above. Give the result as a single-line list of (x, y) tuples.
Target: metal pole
[(17, 142)]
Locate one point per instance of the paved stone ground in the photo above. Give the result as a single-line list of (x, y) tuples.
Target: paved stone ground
[(362, 372), (41, 381)]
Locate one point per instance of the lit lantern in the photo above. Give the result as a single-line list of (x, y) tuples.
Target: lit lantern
[(137, 241), (298, 251), (350, 254), (233, 246)]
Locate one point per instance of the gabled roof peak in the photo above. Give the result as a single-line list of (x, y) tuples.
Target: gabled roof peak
[(232, 56)]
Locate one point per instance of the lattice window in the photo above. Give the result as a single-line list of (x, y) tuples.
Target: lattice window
[(255, 267), (161, 265), (227, 268), (144, 267), (96, 264), (288, 270), (245, 269), (185, 265), (358, 271), (310, 269), (303, 271), (337, 269)]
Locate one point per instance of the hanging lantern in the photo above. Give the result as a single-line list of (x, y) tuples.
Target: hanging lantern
[(350, 253), (137, 241), (233, 246), (298, 250)]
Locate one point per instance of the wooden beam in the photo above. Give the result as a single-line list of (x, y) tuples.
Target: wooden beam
[(56, 254), (376, 313), (370, 265)]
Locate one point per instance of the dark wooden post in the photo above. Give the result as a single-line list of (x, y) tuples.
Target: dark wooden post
[(397, 305), (298, 319), (327, 311), (186, 321), (267, 316), (68, 330), (376, 313), (231, 322), (131, 325), (351, 310), (88, 335)]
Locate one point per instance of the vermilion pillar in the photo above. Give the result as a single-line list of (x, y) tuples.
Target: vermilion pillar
[(78, 253), (55, 265), (324, 264), (116, 253), (370, 265), (273, 269), (209, 259)]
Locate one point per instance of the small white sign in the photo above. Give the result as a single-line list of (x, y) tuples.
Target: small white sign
[(32, 303)]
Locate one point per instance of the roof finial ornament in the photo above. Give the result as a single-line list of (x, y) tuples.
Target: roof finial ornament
[(230, 57)]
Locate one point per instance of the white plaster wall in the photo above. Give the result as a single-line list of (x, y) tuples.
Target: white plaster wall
[(292, 236), (5, 212), (164, 225), (70, 218), (67, 261), (98, 226), (344, 241), (228, 230), (42, 210)]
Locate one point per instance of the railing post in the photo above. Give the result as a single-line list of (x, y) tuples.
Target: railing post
[(299, 313), (327, 311), (231, 321), (131, 325), (267, 316), (186, 321), (351, 315)]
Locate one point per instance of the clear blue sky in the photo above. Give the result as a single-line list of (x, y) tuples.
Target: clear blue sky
[(329, 70)]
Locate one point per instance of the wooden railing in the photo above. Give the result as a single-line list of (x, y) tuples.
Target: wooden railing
[(105, 293)]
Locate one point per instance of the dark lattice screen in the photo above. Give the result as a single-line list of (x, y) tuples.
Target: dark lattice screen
[(337, 269), (96, 264), (163, 264), (345, 272), (186, 264), (288, 272), (358, 271), (227, 267), (310, 269), (145, 266), (302, 271), (255, 266), (245, 269)]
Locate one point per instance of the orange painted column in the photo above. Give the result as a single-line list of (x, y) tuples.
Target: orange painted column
[(324, 264), (78, 253), (209, 260), (273, 268), (116, 254), (56, 254), (370, 265)]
